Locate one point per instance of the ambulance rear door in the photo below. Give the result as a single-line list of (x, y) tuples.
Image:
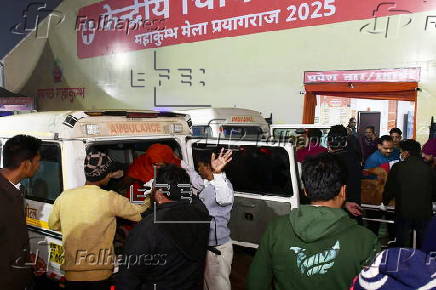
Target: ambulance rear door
[(264, 180)]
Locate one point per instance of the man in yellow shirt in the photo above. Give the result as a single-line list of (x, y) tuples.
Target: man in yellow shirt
[(86, 217)]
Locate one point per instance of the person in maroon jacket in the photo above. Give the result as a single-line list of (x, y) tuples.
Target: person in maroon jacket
[(21, 159), (313, 146), (429, 153)]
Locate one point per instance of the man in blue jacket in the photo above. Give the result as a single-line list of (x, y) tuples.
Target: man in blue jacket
[(384, 158)]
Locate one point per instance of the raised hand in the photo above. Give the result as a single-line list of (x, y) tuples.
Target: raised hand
[(218, 163)]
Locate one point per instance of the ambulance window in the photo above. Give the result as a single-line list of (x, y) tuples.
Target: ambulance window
[(258, 170), (297, 136), (281, 133), (201, 131), (242, 132), (46, 184), (124, 152)]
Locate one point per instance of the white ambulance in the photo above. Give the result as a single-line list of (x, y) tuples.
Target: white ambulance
[(263, 174), (67, 136), (228, 123)]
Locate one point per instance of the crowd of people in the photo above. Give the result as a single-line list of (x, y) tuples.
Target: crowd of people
[(311, 243), (383, 171), (178, 235), (177, 230)]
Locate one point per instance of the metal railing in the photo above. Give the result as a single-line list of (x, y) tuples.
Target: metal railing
[(389, 209)]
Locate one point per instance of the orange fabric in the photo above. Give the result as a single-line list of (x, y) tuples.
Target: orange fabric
[(142, 167), (372, 189)]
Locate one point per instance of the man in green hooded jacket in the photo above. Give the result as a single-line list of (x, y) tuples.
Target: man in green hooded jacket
[(316, 246)]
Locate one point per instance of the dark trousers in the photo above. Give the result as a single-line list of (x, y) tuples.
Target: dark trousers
[(88, 285), (404, 229)]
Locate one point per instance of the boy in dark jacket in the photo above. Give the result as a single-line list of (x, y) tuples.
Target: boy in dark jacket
[(316, 246), (167, 249)]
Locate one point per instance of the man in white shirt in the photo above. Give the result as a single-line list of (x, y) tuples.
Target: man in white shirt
[(217, 195)]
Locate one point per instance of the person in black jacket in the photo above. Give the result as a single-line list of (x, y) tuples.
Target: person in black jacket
[(350, 161), (21, 160), (411, 184), (167, 249)]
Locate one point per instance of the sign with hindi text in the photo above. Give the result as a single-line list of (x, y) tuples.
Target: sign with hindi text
[(112, 26)]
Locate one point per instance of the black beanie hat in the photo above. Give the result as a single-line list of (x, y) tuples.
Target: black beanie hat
[(97, 166)]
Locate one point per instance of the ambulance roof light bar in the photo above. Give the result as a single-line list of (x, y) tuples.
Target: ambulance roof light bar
[(148, 114)]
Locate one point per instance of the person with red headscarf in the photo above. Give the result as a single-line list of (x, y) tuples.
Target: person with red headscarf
[(140, 174)]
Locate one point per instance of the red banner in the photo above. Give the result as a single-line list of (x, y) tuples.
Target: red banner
[(123, 25), (364, 76)]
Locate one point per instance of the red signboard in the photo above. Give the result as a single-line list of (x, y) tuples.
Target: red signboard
[(123, 25), (364, 76)]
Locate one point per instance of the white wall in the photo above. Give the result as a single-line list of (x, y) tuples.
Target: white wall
[(262, 71)]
